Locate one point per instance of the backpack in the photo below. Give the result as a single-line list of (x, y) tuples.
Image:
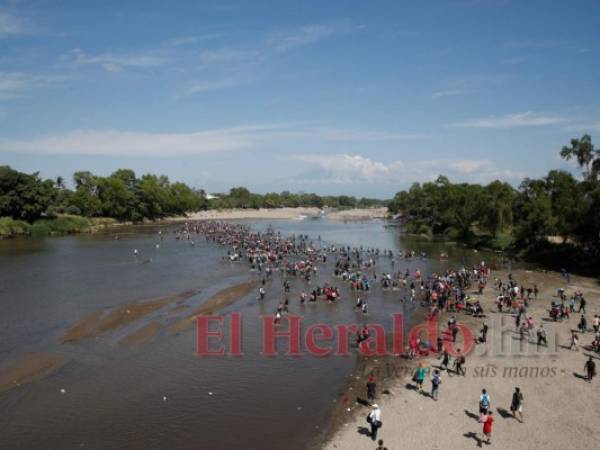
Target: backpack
[(485, 400)]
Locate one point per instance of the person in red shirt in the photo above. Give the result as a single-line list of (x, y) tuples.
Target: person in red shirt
[(487, 427)]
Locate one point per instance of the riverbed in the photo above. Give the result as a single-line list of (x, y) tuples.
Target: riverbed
[(128, 375)]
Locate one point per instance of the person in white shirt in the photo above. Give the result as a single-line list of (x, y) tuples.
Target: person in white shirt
[(374, 418)]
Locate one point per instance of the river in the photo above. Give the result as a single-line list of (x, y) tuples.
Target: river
[(160, 394)]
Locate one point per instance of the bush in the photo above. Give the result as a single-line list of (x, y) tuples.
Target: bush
[(73, 210), (10, 227), (60, 225)]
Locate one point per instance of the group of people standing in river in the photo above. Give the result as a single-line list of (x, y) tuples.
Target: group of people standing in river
[(298, 256)]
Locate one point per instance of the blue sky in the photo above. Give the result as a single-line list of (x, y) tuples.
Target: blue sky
[(357, 97)]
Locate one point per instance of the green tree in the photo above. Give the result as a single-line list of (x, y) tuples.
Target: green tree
[(24, 196), (116, 200), (85, 197), (497, 215), (153, 196), (587, 157), (533, 212)]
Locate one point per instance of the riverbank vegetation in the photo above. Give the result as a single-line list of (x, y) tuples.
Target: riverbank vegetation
[(32, 205), (555, 218), (49, 226), (240, 197)]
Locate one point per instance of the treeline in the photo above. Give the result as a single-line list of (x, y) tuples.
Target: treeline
[(125, 197), (240, 197), (558, 205), (121, 195)]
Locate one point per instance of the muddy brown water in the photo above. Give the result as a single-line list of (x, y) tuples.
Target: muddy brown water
[(137, 382)]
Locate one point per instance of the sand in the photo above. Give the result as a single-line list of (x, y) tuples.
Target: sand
[(262, 213), (98, 322), (561, 410), (359, 214), (283, 213), (221, 299), (143, 335), (28, 369)]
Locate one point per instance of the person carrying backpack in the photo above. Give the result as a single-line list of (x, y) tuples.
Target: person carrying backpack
[(374, 418), (484, 405)]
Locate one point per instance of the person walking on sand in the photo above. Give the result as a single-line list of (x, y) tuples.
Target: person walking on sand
[(374, 418), (459, 363), (541, 336), (436, 380), (590, 369), (487, 428), (371, 388), (445, 360), (484, 331), (420, 374), (516, 405), (582, 324), (484, 405), (574, 341), (380, 445)]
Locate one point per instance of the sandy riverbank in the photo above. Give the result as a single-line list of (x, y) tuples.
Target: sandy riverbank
[(358, 214), (561, 409), (283, 213)]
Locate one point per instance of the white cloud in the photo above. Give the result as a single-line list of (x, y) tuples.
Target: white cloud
[(524, 119), (584, 127), (139, 143), (347, 168), (15, 84), (304, 36), (532, 43), (114, 63), (131, 143), (183, 41), (340, 134), (200, 87), (448, 93), (514, 60), (227, 55), (10, 24), (353, 169)]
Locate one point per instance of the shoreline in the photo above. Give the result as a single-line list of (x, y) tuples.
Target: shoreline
[(79, 224), (355, 387), (299, 213), (544, 379)]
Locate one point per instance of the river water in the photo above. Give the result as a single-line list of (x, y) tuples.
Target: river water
[(162, 395)]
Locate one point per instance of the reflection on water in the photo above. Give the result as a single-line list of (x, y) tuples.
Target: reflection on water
[(161, 394)]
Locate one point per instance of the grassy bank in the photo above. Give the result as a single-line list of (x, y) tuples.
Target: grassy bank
[(474, 239), (64, 224), (544, 253)]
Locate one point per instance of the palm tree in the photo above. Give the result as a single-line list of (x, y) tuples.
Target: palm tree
[(59, 183), (583, 150)]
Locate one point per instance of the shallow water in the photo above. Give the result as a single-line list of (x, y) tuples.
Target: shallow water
[(114, 394)]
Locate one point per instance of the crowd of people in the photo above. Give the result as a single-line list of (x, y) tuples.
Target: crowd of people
[(453, 292)]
